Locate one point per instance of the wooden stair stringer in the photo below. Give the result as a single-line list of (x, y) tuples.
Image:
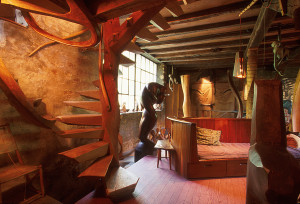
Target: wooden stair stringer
[(91, 133), (98, 169), (120, 183), (87, 152)]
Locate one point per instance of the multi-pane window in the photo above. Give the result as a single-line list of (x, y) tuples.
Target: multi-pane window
[(134, 78)]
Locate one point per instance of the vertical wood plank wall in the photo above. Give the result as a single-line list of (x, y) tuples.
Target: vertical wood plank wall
[(233, 130)]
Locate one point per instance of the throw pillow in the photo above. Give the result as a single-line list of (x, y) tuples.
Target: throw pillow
[(208, 136)]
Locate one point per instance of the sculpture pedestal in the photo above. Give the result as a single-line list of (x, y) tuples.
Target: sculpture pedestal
[(143, 149)]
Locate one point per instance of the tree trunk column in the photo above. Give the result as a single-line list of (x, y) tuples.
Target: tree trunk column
[(251, 74), (186, 106)]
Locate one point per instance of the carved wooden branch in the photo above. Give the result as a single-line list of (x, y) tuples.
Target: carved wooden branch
[(54, 42), (78, 13)]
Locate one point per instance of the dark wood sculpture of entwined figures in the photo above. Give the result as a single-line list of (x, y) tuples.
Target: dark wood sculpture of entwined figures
[(153, 93)]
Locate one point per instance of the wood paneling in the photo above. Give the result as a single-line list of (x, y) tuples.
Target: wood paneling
[(233, 130)]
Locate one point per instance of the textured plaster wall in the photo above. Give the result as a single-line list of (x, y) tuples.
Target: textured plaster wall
[(53, 74)]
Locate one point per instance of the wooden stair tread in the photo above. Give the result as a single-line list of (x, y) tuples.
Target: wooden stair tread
[(159, 21), (93, 94), (87, 152), (81, 119), (120, 183), (132, 47), (99, 168), (96, 83), (88, 105), (91, 133), (145, 34), (175, 9), (126, 61)]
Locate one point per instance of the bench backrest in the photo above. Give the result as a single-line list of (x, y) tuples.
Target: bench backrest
[(233, 130)]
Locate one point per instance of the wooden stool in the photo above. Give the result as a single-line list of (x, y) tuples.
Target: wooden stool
[(164, 145)]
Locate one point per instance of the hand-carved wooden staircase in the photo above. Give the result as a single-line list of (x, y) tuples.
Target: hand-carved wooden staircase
[(113, 38), (118, 181)]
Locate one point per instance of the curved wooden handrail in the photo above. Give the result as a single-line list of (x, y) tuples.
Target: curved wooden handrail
[(102, 83), (78, 13)]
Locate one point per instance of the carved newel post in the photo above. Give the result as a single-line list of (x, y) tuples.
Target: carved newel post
[(272, 173), (186, 106), (153, 93)]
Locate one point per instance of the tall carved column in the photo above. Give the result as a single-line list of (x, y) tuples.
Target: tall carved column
[(186, 106), (251, 75), (272, 173)]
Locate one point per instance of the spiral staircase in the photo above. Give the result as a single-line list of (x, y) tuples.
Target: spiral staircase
[(114, 38)]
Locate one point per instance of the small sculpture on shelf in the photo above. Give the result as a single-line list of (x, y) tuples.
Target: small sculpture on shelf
[(153, 93)]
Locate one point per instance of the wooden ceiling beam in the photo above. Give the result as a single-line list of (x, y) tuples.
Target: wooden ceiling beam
[(211, 26), (209, 13), (264, 21), (220, 45), (216, 37), (145, 34), (196, 40), (215, 56), (128, 31), (105, 10), (159, 22), (174, 8), (198, 52), (209, 46)]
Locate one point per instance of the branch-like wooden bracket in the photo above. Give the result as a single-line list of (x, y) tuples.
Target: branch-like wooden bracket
[(78, 13)]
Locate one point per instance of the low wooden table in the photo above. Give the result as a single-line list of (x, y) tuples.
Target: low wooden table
[(164, 145)]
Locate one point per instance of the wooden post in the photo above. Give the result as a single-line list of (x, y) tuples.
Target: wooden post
[(251, 74), (186, 106), (268, 126), (272, 173)]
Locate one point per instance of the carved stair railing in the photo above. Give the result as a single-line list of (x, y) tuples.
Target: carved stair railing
[(114, 39)]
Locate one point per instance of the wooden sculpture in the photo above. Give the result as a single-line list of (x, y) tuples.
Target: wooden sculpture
[(186, 106), (273, 173), (153, 93)]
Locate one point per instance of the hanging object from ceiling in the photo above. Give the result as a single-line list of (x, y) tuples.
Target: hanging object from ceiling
[(239, 69)]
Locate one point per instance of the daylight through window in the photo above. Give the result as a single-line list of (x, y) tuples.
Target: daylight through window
[(133, 78)]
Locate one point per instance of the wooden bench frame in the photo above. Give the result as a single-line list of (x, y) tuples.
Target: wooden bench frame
[(184, 142)]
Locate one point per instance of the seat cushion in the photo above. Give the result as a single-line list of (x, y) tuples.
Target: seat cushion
[(208, 136), (224, 151)]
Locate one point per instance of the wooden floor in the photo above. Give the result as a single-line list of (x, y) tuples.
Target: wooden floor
[(161, 185)]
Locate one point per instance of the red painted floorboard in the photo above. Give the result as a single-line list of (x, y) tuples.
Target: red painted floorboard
[(161, 185)]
